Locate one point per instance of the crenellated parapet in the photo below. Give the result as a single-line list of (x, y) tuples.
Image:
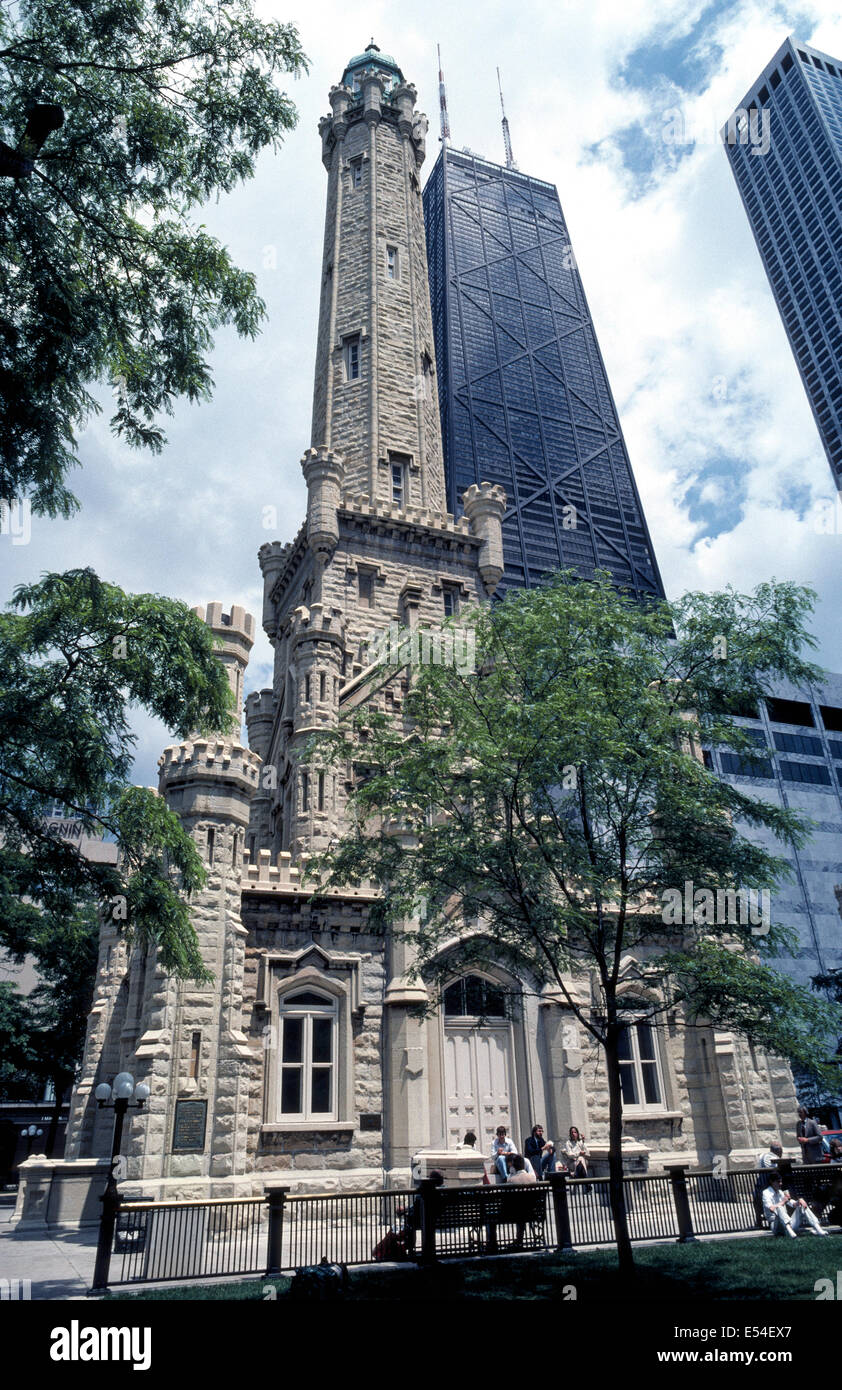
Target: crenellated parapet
[(484, 507), (318, 623), (235, 631), (214, 778), (280, 873)]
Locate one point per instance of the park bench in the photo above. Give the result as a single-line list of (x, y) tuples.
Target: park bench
[(480, 1211)]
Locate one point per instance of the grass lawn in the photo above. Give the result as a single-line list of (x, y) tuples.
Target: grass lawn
[(722, 1269)]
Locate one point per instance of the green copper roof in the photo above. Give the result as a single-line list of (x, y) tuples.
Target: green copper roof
[(371, 58)]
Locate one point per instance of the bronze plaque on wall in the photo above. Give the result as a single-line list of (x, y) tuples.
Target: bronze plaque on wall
[(188, 1135)]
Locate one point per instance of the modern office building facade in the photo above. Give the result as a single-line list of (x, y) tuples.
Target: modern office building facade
[(799, 737), (784, 144), (523, 392)]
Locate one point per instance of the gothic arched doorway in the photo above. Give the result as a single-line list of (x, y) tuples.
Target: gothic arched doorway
[(479, 1069)]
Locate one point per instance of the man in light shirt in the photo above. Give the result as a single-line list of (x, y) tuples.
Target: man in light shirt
[(777, 1204), (520, 1172), (501, 1146)]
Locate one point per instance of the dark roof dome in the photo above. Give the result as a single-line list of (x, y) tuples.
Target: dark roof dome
[(372, 58)]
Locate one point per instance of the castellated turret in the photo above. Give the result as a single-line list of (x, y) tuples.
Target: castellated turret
[(484, 507), (209, 782), (324, 473), (317, 649)]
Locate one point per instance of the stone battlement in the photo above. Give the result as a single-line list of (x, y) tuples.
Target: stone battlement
[(260, 704), (209, 758), (317, 621), (286, 876), (416, 516), (236, 623)]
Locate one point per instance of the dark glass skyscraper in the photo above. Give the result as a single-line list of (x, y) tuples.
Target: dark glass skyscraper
[(523, 392), (784, 144)]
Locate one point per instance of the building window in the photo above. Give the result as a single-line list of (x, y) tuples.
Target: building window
[(307, 689), (392, 272), (195, 1055), (398, 473), (305, 791), (308, 1056), (211, 839), (322, 685), (351, 354), (790, 712), (234, 842), (365, 580), (474, 997), (357, 172), (832, 718), (321, 792), (640, 1072), (450, 598)]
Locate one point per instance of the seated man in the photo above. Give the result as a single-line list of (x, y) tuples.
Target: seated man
[(777, 1204), (521, 1170), (500, 1147)]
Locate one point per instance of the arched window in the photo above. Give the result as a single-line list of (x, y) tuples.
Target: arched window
[(472, 996), (308, 1056)]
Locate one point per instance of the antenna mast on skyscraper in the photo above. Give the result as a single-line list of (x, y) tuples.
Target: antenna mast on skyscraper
[(445, 123), (507, 139)]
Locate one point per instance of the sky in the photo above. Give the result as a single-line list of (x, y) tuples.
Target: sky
[(734, 482)]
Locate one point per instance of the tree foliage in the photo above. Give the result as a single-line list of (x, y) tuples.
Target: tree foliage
[(75, 655), (533, 812), (105, 275)]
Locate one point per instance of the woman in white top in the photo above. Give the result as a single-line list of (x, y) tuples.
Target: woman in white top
[(576, 1153)]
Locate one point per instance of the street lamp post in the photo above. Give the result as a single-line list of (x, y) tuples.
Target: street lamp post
[(117, 1097), (30, 1132)]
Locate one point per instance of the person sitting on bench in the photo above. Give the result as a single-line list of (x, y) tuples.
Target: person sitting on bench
[(777, 1204), (502, 1146)]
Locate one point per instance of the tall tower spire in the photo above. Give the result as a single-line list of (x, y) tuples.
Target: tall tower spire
[(375, 405), (507, 139), (443, 116)]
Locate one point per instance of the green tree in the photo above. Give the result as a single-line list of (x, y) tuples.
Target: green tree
[(52, 1020), (75, 655), (19, 1076), (534, 812), (105, 276)]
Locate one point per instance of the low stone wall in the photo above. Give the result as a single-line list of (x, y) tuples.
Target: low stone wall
[(58, 1192)]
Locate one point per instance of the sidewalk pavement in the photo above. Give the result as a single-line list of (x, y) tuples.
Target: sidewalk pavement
[(59, 1264)]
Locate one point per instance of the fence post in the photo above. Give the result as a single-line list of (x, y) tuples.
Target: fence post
[(678, 1178), (558, 1185), (428, 1196), (111, 1200), (276, 1197)]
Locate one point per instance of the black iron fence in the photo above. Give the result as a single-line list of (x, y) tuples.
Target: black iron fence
[(147, 1242)]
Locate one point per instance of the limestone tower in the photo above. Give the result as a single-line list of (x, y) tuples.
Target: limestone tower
[(377, 548)]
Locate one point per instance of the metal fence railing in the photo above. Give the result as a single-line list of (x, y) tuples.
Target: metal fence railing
[(146, 1241)]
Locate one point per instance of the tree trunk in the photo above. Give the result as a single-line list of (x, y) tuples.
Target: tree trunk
[(52, 1132), (616, 1190)]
